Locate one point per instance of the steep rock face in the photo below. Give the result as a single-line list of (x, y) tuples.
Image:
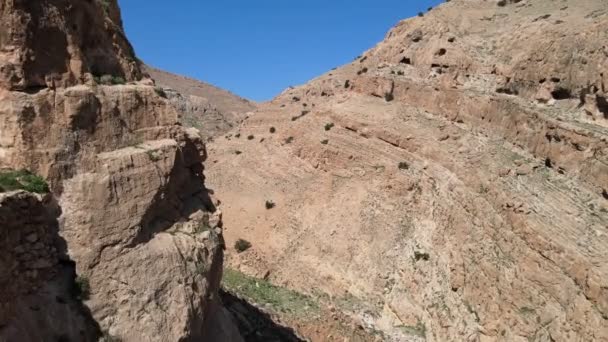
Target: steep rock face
[(36, 281), (137, 219), (449, 184), (56, 43)]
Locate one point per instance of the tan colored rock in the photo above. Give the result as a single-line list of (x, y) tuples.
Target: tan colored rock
[(126, 176), (68, 52), (530, 270)]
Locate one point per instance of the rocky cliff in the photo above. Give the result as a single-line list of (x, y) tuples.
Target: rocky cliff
[(450, 184), (139, 224)]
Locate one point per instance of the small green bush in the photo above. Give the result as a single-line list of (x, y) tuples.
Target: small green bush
[(270, 204), (160, 92), (242, 245), (421, 256), (22, 180), (83, 288), (118, 80)]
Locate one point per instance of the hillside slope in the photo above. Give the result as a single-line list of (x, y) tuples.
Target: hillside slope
[(212, 110), (449, 184)]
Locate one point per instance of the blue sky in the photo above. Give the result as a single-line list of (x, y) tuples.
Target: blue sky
[(257, 48)]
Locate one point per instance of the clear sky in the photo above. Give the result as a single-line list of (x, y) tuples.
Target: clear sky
[(257, 48)]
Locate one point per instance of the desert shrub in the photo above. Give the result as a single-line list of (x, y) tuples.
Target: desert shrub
[(270, 204), (404, 166), (329, 126), (153, 155), (242, 245), (160, 92), (388, 97), (237, 152), (118, 80), (22, 180), (272, 129), (289, 140), (421, 256), (325, 142), (251, 137)]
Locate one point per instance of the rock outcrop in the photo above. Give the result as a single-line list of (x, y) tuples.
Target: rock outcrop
[(58, 43), (137, 219), (448, 185)]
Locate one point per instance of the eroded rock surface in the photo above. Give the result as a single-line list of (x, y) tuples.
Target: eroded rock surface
[(136, 217), (449, 184)]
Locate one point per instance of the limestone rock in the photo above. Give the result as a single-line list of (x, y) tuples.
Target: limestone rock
[(510, 257)]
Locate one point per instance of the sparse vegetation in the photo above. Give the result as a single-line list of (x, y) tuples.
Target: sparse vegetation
[(82, 288), (273, 130), (303, 113), (262, 292), (421, 256), (325, 142), (289, 140), (418, 330), (109, 79), (270, 204), (388, 97), (160, 92), (118, 80), (329, 126), (238, 135), (483, 189), (242, 245), (250, 137), (404, 165), (420, 14), (237, 152), (153, 155), (362, 71), (22, 180)]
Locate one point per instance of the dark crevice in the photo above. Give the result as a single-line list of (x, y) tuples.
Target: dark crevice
[(602, 105)]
